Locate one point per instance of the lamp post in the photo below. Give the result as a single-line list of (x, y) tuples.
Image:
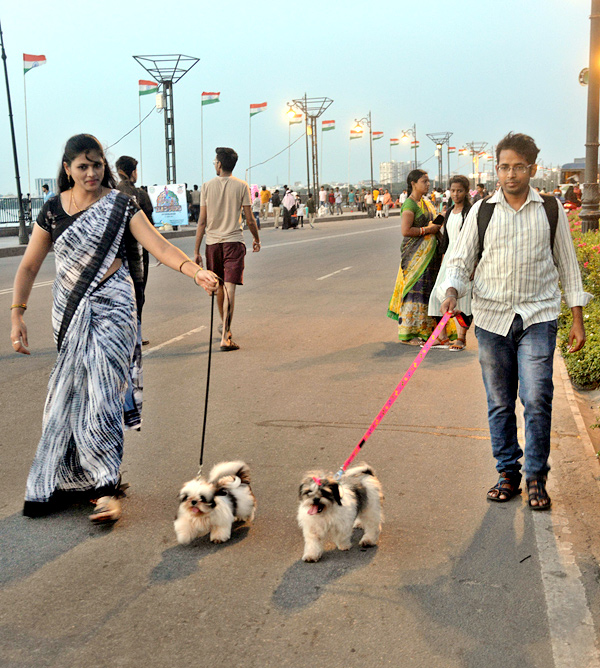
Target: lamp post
[(591, 195), (439, 139), (290, 113), (412, 132), (359, 128), (475, 148)]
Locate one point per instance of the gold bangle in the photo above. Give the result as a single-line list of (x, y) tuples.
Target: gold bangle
[(23, 306), (181, 265), (196, 274)]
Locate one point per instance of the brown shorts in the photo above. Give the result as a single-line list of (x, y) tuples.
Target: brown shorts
[(227, 261)]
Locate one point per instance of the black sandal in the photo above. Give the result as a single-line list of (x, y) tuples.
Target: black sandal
[(508, 484), (536, 490)]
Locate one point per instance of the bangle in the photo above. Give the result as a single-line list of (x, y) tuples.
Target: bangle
[(23, 306), (422, 231), (181, 265), (196, 274)]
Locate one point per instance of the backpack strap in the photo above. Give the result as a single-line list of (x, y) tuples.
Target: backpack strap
[(551, 209), (484, 215)]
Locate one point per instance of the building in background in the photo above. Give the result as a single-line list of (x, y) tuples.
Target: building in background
[(393, 172)]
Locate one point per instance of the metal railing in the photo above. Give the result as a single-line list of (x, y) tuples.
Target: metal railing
[(9, 211)]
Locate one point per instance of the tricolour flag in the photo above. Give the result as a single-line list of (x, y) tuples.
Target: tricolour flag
[(377, 135), (462, 151), (327, 125), (356, 134), (414, 144), (451, 149), (257, 108), (210, 98), (394, 141), (482, 154), (147, 87), (29, 62), (295, 119)]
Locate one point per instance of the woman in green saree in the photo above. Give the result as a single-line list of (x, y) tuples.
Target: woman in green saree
[(419, 263)]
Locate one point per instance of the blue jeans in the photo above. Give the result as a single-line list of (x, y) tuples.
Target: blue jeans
[(520, 362)]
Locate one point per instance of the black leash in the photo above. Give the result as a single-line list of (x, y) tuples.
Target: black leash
[(210, 338)]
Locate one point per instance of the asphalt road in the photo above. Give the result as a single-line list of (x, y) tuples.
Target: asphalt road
[(455, 581)]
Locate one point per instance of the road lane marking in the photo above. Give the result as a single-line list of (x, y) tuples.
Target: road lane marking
[(174, 340), (42, 284), (339, 271)]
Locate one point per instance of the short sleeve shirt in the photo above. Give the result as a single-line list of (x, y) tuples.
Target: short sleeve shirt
[(224, 197)]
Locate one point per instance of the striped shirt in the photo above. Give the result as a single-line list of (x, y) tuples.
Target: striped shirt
[(517, 273)]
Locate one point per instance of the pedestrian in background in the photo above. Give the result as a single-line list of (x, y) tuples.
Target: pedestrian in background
[(221, 203), (265, 196), (47, 193), (310, 208), (331, 201), (419, 263), (454, 219), (351, 200), (338, 202), (256, 205), (322, 197), (480, 193), (276, 202), (387, 203), (299, 210), (289, 208), (94, 230), (516, 303), (195, 195)]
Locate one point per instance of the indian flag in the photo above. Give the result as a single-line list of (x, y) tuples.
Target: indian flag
[(462, 151), (210, 98), (327, 125), (451, 149), (295, 119), (394, 141), (257, 108), (356, 134), (377, 135), (482, 154), (147, 87), (414, 143), (29, 62)]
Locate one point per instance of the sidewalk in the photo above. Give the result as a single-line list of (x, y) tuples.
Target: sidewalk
[(10, 247)]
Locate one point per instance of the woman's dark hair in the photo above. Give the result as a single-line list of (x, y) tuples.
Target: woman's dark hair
[(519, 143), (126, 165), (413, 177), (464, 182), (75, 146), (227, 157)]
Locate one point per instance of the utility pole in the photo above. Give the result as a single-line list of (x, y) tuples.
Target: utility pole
[(439, 139)]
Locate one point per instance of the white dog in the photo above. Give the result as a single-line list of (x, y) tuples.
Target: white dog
[(329, 510), (212, 506)]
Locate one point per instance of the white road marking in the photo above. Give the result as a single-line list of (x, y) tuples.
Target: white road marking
[(570, 622), (42, 284), (339, 271), (177, 338)]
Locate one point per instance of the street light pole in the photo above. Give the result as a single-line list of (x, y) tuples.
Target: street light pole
[(23, 237), (591, 195), (367, 120)]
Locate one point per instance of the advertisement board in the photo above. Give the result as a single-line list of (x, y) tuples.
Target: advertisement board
[(170, 204)]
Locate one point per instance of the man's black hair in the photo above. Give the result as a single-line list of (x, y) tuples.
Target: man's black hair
[(519, 143), (227, 157), (45, 186)]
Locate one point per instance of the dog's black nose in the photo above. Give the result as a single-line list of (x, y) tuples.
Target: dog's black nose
[(193, 502)]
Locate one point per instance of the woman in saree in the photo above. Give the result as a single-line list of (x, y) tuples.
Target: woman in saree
[(96, 232), (419, 264)]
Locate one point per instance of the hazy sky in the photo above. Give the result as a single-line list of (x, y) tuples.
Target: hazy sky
[(477, 68)]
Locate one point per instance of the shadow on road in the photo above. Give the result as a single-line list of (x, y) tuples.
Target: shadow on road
[(181, 561), (492, 597), (26, 544), (303, 584)]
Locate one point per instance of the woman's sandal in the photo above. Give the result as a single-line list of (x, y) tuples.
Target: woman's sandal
[(439, 343), (508, 485), (107, 511), (536, 490), (459, 344)]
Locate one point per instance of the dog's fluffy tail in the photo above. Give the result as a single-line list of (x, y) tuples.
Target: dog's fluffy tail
[(360, 470), (238, 468)]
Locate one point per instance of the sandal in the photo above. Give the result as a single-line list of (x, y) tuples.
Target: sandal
[(107, 511), (508, 485), (536, 489), (459, 344), (439, 343)]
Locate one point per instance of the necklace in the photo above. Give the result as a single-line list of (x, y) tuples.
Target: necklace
[(73, 201)]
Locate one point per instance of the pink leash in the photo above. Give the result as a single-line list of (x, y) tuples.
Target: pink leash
[(396, 393)]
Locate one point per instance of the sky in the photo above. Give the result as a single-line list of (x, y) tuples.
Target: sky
[(476, 68)]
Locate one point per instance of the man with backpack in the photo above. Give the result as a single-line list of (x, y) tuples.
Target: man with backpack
[(519, 246)]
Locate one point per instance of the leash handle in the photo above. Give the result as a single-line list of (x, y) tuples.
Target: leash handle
[(396, 393)]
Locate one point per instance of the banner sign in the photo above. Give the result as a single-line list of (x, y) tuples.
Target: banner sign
[(170, 204)]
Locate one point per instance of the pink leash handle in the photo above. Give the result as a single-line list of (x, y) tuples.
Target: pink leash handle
[(396, 393)]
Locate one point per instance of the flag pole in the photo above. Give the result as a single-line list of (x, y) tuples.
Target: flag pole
[(250, 150), (289, 150), (140, 122), (202, 138), (322, 149), (26, 132)]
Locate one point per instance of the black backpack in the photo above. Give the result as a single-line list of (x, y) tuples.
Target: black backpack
[(486, 210)]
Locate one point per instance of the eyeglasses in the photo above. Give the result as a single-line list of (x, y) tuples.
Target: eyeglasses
[(518, 169)]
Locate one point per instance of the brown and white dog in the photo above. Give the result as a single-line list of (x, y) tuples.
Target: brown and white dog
[(329, 510), (213, 505)]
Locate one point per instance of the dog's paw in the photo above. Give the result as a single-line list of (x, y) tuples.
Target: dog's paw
[(344, 546), (357, 524), (311, 558), (367, 542)]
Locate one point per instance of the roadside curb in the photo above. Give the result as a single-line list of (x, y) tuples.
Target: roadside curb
[(190, 231)]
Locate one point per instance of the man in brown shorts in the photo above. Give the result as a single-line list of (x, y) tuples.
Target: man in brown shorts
[(221, 203)]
